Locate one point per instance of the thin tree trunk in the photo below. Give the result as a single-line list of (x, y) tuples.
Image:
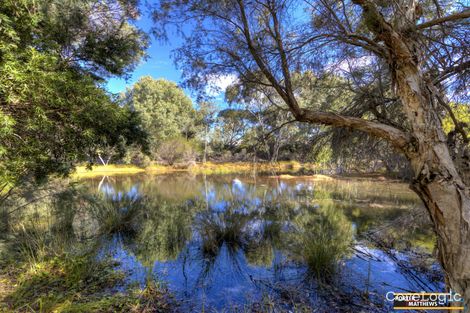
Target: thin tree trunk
[(205, 145), (101, 159)]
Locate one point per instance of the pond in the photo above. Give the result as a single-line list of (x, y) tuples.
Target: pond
[(229, 242)]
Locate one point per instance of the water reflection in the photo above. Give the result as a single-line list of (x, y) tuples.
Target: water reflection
[(225, 241), (322, 237)]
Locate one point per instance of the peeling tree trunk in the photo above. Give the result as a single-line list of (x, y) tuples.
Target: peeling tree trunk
[(424, 143), (448, 204), (437, 180)]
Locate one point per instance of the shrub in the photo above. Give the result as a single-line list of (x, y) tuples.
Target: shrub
[(136, 157), (176, 150)]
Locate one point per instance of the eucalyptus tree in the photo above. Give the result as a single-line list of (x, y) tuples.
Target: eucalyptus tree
[(233, 124), (280, 137), (405, 58), (206, 116)]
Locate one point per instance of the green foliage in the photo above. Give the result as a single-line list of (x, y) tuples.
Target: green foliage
[(80, 284), (64, 118), (53, 112), (232, 128), (324, 155), (324, 93), (60, 279), (322, 239), (176, 150), (265, 128), (165, 110), (135, 156), (462, 114), (94, 36)]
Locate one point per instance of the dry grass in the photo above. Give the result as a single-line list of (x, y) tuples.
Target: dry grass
[(99, 170), (114, 169), (316, 177), (199, 168)]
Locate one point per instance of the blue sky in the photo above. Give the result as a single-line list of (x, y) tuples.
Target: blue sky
[(157, 65), (160, 65)]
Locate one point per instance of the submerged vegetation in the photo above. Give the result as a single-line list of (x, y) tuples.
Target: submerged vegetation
[(50, 263), (322, 239), (67, 252)]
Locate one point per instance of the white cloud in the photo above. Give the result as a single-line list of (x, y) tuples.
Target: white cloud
[(217, 84), (351, 63)]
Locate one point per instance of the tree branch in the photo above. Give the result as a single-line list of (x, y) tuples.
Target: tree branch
[(450, 18), (396, 137), (278, 128), (287, 96), (448, 72)]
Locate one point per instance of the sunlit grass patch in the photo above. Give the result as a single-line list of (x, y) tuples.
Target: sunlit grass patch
[(112, 169), (44, 286), (242, 167), (117, 169), (207, 168)]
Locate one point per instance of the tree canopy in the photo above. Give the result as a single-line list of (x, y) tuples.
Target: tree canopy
[(53, 56), (268, 44), (165, 109)]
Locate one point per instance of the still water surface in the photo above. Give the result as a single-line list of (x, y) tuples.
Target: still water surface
[(219, 242)]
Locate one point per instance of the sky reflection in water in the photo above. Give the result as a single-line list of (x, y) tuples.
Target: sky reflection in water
[(220, 242)]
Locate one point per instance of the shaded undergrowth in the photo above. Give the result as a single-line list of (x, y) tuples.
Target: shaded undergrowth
[(47, 266), (78, 283)]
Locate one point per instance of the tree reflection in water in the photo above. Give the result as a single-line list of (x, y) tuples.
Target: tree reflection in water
[(224, 239)]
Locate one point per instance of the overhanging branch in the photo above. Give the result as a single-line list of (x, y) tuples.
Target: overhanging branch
[(450, 18), (395, 136)]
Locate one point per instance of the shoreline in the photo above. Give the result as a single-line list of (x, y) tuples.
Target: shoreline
[(279, 170), (198, 168)]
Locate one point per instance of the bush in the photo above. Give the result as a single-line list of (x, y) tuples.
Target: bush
[(176, 150), (322, 239), (135, 156)]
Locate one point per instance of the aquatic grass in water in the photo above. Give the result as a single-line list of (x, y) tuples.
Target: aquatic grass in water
[(227, 242), (217, 228), (118, 214), (321, 238), (52, 272), (164, 230)]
